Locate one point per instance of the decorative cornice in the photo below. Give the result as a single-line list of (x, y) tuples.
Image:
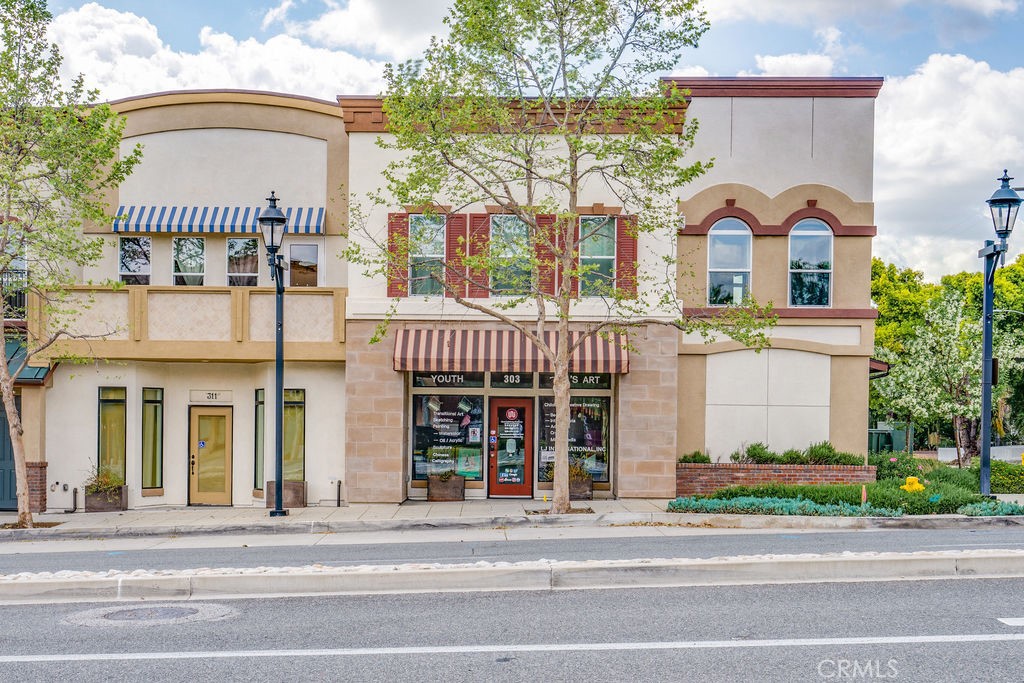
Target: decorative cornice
[(830, 313), (761, 86), (761, 230), (179, 97)]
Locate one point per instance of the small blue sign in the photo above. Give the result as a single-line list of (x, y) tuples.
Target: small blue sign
[(202, 444), (494, 439)]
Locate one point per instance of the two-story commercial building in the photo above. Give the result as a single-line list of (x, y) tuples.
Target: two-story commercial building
[(177, 394)]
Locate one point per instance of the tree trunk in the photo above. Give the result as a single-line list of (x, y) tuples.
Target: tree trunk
[(967, 447), (17, 445), (560, 496)]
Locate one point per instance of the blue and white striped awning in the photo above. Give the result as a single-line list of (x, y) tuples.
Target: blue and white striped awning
[(307, 220)]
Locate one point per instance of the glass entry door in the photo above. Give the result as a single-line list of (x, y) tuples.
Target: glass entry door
[(209, 458), (510, 444)]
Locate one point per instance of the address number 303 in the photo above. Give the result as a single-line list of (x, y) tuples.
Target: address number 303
[(512, 379)]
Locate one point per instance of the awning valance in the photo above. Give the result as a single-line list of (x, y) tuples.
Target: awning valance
[(139, 218), (425, 350)]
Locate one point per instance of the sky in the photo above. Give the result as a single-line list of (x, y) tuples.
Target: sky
[(949, 118)]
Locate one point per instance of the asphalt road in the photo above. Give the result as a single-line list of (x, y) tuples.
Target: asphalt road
[(404, 547), (905, 631)]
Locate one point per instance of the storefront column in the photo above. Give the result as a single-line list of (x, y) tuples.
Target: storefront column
[(375, 460), (646, 444), (33, 424)]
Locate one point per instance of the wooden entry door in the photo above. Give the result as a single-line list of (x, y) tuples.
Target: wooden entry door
[(209, 456), (510, 457)]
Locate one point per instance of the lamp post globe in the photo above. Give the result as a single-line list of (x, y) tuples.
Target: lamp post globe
[(1003, 204), (272, 224)]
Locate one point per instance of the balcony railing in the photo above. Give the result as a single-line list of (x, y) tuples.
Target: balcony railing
[(12, 284)]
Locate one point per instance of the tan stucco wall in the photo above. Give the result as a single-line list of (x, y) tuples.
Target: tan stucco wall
[(848, 416), (690, 405), (33, 422)]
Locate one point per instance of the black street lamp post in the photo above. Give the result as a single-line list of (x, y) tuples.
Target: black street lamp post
[(1003, 204), (272, 224)]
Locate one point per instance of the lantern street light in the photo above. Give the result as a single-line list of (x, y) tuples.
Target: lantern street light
[(272, 224), (1003, 204)]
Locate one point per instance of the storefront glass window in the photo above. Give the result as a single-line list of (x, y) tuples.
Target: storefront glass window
[(448, 435), (589, 435)]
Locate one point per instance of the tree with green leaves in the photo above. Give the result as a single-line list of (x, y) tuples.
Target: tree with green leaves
[(938, 373), (531, 106), (58, 153)]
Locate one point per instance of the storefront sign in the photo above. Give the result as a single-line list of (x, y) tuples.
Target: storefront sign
[(579, 381), (512, 380), (448, 379)]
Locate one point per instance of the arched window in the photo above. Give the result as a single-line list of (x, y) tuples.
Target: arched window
[(728, 262), (810, 264)]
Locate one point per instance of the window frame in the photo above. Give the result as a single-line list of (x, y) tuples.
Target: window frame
[(737, 226), (254, 274), (158, 467), (439, 257), (121, 401), (291, 270), (514, 256), (148, 274), (611, 221), (302, 431), (259, 438), (822, 228), (174, 263)]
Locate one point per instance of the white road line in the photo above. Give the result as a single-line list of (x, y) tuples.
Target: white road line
[(535, 647), (1013, 621)]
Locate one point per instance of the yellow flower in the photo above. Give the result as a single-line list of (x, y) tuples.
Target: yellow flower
[(913, 485)]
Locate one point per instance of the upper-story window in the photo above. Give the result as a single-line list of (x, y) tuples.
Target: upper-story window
[(189, 254), (810, 264), (729, 256), (134, 262), (426, 254), (303, 265), (597, 255), (243, 261), (510, 255)]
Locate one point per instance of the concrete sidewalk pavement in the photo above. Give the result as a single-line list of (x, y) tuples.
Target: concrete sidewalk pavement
[(418, 515)]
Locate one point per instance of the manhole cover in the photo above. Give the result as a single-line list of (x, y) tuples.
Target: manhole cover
[(150, 615)]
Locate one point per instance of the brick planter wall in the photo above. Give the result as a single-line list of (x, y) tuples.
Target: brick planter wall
[(36, 486), (704, 478)]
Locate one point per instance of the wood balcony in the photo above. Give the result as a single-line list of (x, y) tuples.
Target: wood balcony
[(223, 324)]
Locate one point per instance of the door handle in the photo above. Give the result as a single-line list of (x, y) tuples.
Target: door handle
[(193, 463)]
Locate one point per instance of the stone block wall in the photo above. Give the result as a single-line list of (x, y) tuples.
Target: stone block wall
[(704, 478), (375, 459), (646, 445)]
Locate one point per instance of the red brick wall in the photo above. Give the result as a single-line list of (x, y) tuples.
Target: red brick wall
[(703, 478), (36, 486)]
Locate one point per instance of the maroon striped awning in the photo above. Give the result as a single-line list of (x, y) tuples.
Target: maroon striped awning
[(422, 350)]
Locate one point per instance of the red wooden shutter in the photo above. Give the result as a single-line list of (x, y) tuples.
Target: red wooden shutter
[(398, 254), (625, 255), (545, 255), (479, 237), (574, 281), (455, 243)]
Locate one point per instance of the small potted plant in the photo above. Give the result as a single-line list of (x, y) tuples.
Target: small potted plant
[(443, 483), (581, 481), (105, 491)]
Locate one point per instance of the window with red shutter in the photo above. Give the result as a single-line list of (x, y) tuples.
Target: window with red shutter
[(479, 235), (398, 254), (456, 243), (625, 255), (547, 267)]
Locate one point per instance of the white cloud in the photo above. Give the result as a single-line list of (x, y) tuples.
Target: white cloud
[(808, 64), (276, 14), (124, 55), (818, 12), (390, 29), (943, 135)]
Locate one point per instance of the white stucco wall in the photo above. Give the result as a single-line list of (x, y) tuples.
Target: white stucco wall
[(778, 397), (71, 440), (773, 144)]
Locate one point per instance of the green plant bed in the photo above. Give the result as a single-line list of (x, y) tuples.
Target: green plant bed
[(937, 498), (749, 505), (1005, 477), (991, 508), (816, 454)]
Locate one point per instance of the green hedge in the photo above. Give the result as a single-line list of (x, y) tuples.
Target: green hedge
[(1005, 477), (824, 494), (696, 456), (777, 506), (816, 454)]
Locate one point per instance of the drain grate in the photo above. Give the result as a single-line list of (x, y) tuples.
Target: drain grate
[(167, 614)]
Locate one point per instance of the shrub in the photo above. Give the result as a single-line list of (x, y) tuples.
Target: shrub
[(1005, 477), (777, 506), (824, 494), (792, 457), (817, 454), (989, 508), (696, 456), (756, 453), (889, 465), (966, 479)]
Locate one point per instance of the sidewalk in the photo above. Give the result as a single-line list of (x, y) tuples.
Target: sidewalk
[(478, 514)]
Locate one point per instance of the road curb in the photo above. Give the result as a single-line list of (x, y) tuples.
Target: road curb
[(720, 521), (500, 576)]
